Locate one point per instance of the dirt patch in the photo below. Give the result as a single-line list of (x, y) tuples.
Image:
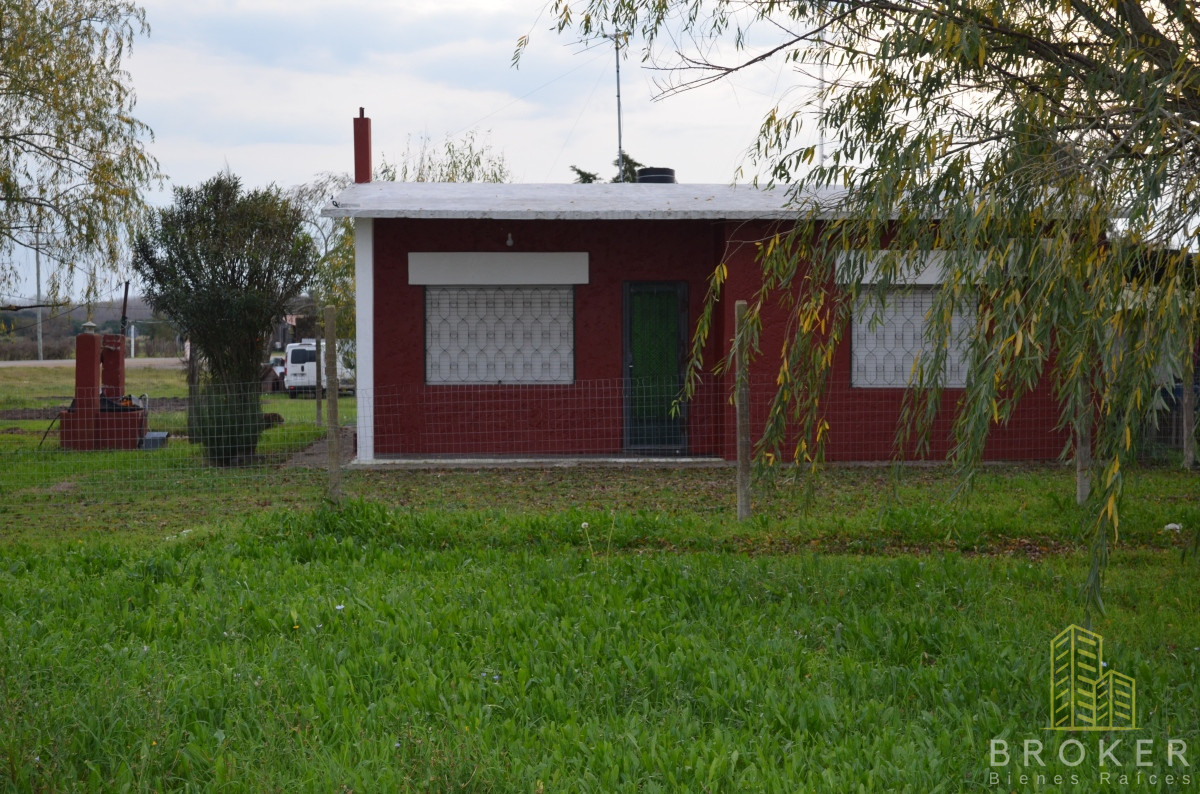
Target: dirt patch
[(157, 404), (168, 404), (316, 456), (31, 413)]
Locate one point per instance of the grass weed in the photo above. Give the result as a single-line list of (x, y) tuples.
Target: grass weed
[(44, 387), (357, 649), (166, 625)]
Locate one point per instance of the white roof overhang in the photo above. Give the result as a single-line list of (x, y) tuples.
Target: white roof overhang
[(607, 201)]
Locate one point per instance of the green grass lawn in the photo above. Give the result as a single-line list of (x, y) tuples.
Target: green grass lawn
[(362, 650), (169, 625), (298, 414), (130, 496), (140, 497), (38, 387), (54, 387)]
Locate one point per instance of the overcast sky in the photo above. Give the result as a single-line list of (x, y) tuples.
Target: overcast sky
[(269, 88)]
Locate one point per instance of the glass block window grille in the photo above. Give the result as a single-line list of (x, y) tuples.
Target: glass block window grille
[(884, 348), (514, 335)]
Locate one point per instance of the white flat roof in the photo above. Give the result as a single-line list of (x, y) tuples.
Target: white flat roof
[(603, 201)]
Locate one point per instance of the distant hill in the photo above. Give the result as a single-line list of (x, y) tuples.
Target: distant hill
[(59, 326), (111, 310)]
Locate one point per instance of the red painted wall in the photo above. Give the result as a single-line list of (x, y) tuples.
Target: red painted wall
[(862, 421), (586, 418)]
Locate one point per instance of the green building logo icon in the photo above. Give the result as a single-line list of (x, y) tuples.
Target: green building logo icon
[(1084, 696)]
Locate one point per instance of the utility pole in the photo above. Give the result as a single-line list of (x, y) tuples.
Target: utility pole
[(37, 266)]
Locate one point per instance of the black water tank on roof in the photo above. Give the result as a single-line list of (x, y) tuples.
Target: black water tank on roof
[(656, 175)]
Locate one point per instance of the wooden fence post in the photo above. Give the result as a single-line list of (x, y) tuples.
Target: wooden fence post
[(1083, 454), (1188, 409), (742, 406)]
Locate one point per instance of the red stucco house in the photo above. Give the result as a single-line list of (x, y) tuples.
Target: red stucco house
[(526, 320)]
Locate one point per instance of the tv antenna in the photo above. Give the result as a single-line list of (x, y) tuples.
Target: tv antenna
[(616, 39)]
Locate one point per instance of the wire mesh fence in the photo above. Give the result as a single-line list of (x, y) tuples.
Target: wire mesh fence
[(587, 418), (204, 447), (641, 418), (70, 454)]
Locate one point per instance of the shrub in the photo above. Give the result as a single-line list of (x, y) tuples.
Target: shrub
[(228, 420)]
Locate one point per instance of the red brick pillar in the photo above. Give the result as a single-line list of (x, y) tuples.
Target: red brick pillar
[(112, 366)]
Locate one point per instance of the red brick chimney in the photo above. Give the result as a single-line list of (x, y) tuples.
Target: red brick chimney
[(362, 147)]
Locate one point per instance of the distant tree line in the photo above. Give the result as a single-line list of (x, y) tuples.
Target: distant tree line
[(18, 335)]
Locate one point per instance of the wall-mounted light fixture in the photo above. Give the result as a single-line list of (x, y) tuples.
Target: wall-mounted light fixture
[(509, 241)]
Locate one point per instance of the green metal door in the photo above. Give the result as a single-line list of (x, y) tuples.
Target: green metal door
[(655, 340)]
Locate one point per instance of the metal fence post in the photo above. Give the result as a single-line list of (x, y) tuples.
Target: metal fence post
[(334, 430), (318, 365)]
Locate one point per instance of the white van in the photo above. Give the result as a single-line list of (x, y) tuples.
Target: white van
[(300, 367)]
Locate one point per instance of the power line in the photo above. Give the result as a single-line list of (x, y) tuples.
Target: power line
[(12, 307), (110, 299), (525, 96), (571, 133)]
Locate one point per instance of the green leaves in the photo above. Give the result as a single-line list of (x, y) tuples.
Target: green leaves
[(222, 264), (465, 159), (1047, 153), (73, 160)]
